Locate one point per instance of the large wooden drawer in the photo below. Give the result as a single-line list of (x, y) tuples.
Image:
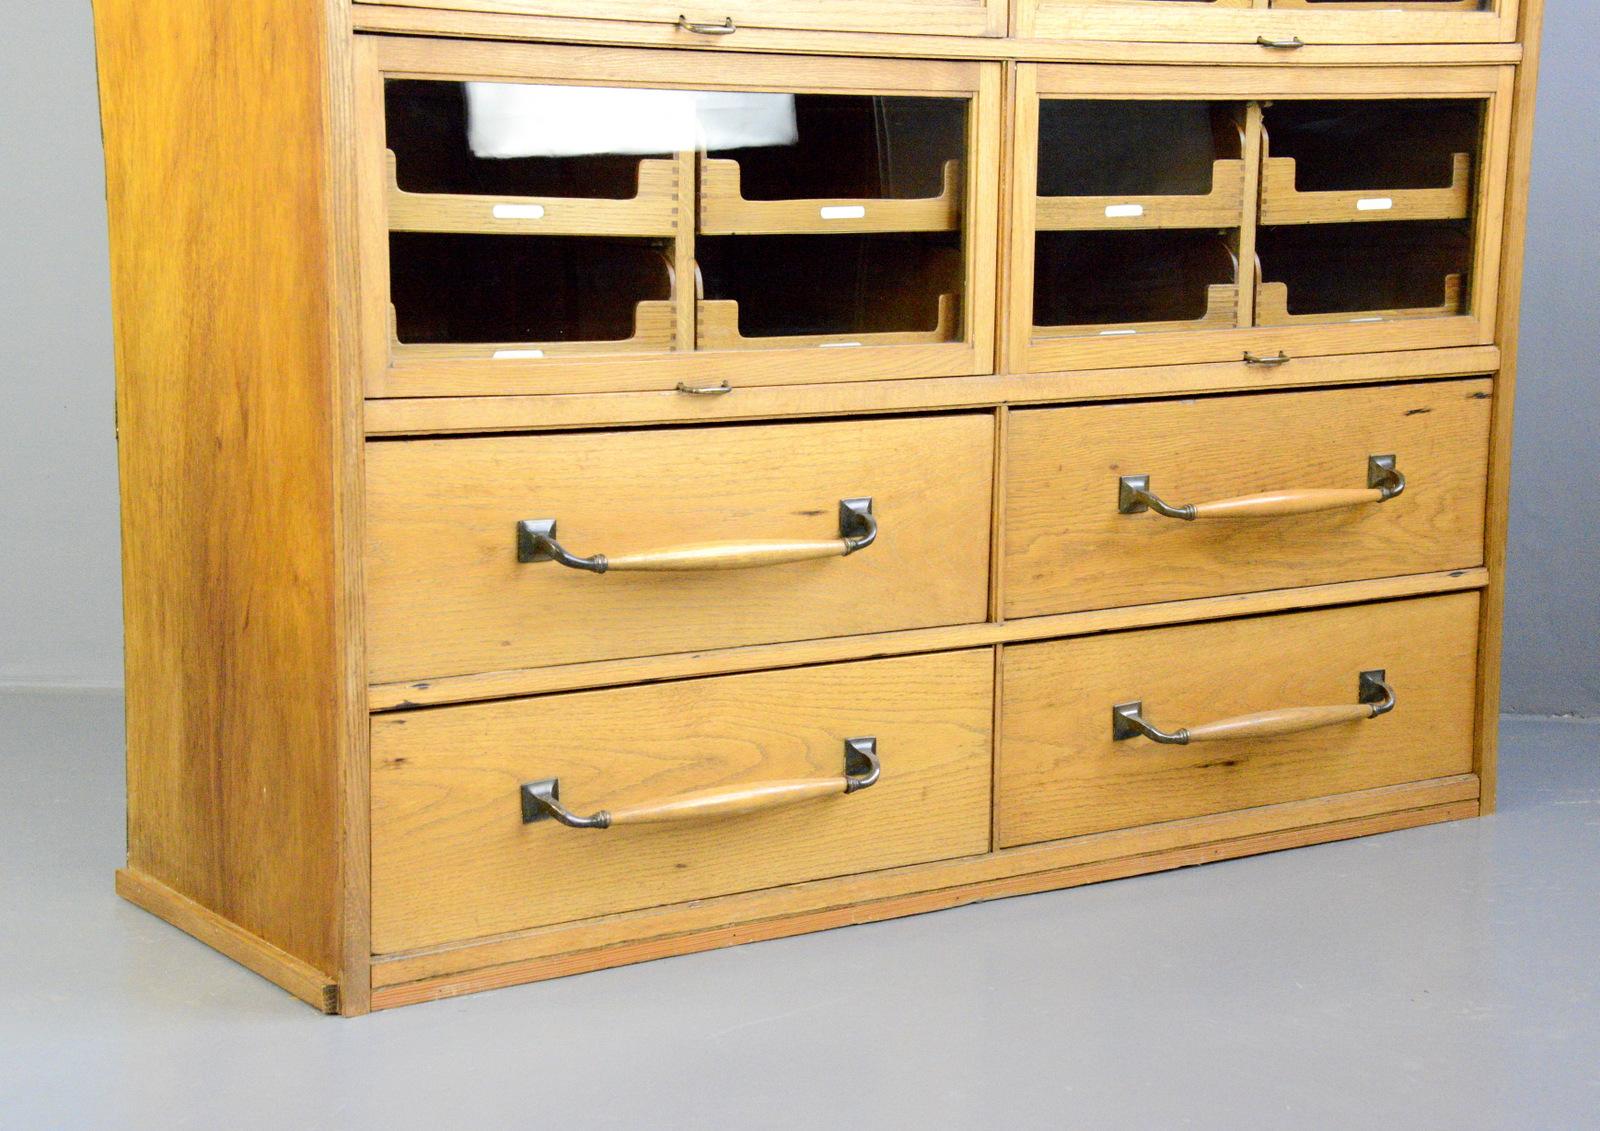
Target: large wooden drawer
[(452, 857), (1071, 544), (448, 594), (1062, 771)]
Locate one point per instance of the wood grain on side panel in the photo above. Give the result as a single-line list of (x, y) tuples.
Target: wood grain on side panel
[(216, 120)]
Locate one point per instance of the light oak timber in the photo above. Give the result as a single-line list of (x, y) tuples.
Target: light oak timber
[(1513, 254), (445, 415), (1222, 207), (725, 211), (652, 211), (304, 981), (1405, 21), (235, 426), (344, 317), (397, 19), (447, 595), (1272, 308), (942, 17), (1069, 547), (453, 860), (548, 952), (605, 673), (1283, 203), (1062, 773)]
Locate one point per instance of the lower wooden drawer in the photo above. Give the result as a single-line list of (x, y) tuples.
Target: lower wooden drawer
[(1063, 772), (453, 858)]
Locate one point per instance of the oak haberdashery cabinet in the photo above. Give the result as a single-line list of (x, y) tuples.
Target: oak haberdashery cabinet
[(609, 479)]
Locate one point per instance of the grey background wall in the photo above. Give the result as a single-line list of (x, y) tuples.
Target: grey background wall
[(60, 608)]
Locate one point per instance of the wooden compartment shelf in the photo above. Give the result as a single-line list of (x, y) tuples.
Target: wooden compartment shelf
[(1283, 203), (795, 292), (1329, 161), (725, 212), (464, 296), (1151, 164), (719, 330), (1219, 208), (1339, 273), (1122, 283), (654, 211)]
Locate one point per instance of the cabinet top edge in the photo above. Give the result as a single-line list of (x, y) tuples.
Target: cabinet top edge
[(585, 32)]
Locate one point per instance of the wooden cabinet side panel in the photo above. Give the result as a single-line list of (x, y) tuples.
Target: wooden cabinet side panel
[(216, 121), (1513, 248)]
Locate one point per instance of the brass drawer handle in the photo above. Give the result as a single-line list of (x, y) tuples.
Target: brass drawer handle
[(541, 800), (1384, 482), (1293, 43), (1375, 697), (1280, 358), (705, 390), (726, 27), (858, 529)]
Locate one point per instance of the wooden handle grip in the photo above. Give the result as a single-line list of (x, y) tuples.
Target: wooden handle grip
[(712, 804), (1278, 503), (1270, 724), (727, 555)]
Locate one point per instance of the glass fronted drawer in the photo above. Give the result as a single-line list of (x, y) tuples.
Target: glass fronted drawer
[(561, 220), (1274, 24), (1246, 214)]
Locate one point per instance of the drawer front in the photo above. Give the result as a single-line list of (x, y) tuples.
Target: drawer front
[(718, 22), (452, 857), (448, 594), (1063, 772), (1284, 24), (1070, 545)]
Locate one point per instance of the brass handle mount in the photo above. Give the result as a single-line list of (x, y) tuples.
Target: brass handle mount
[(1374, 697), (1384, 482), (726, 27), (858, 529), (541, 800)]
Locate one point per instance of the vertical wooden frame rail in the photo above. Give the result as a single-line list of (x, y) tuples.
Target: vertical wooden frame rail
[(401, 372), (1491, 645), (1280, 22), (1253, 86)]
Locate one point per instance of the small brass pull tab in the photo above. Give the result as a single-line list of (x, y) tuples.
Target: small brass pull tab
[(1293, 43), (726, 27), (705, 390)]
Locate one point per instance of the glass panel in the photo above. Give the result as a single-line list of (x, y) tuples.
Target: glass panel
[(855, 146), (1366, 209), (529, 220), (1399, 144), (1139, 209), (1333, 272), (887, 289), (548, 291), (1111, 282)]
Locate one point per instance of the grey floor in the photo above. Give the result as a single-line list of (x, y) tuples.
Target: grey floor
[(1442, 977)]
